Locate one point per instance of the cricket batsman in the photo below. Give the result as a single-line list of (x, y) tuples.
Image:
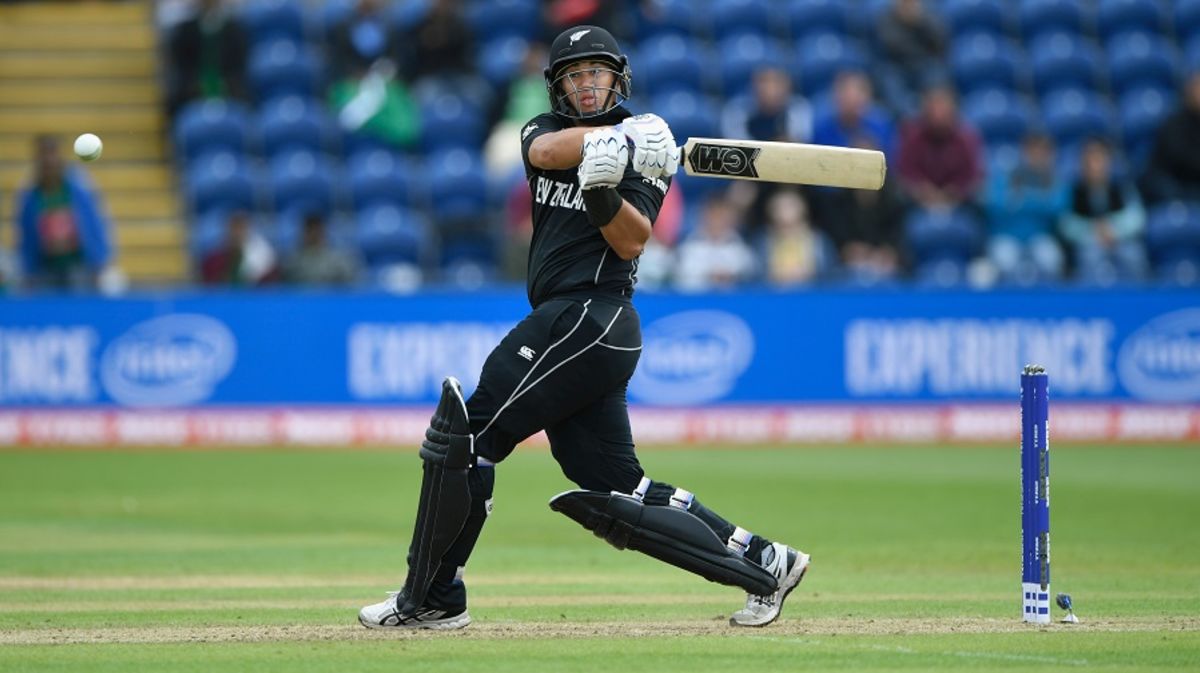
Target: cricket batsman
[(597, 176)]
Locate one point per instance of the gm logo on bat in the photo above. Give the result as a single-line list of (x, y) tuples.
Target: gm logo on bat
[(723, 160)]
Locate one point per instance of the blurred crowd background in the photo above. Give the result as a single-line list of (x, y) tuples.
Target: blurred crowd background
[(371, 143)]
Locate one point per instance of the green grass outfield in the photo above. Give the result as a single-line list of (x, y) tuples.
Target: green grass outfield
[(259, 560)]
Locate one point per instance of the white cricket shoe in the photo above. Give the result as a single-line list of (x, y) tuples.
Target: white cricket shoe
[(386, 615), (788, 565)]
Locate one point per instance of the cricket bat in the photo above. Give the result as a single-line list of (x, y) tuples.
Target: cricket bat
[(794, 163)]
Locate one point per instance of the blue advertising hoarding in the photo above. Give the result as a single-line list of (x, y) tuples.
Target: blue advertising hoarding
[(750, 347)]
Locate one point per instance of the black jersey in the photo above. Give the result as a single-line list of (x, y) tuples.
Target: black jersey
[(568, 256)]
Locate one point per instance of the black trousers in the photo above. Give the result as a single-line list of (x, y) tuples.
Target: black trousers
[(564, 369)]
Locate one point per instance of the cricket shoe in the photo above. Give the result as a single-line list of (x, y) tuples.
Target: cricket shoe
[(788, 566), (386, 615)]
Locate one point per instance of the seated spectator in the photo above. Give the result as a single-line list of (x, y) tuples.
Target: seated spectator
[(940, 156), (855, 120), (1023, 207), (795, 252), (64, 236), (244, 259), (366, 36), (715, 255), (441, 44), (865, 226), (315, 262), (207, 56), (913, 45), (1174, 167), (1104, 220), (772, 113)]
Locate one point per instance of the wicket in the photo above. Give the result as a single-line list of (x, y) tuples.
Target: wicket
[(1035, 495)]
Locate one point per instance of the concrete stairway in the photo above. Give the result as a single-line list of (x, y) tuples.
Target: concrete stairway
[(73, 67)]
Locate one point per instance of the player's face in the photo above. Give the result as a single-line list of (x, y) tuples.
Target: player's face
[(588, 86)]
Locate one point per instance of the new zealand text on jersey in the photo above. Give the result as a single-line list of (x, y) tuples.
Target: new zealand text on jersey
[(558, 194)]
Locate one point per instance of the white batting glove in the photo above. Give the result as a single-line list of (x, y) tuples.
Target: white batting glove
[(605, 154), (654, 152)]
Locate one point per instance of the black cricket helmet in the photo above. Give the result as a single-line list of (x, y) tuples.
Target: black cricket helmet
[(586, 43)]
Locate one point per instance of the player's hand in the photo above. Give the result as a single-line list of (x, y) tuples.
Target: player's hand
[(605, 154), (654, 150)]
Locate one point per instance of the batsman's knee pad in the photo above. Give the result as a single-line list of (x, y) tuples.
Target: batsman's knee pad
[(666, 532), (446, 493)]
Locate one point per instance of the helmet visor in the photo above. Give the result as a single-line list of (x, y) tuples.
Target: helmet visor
[(588, 89)]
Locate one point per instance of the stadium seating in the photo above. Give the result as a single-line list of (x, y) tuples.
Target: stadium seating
[(935, 236), (390, 234), (1138, 59), (672, 63), (1074, 115), (820, 57), (985, 61), (303, 182), (729, 18), (1118, 16), (458, 185), (1037, 17), (668, 17), (449, 122), (1141, 112), (212, 125), (295, 123), (505, 18), (220, 182), (499, 60), (688, 114), (379, 177), (269, 20), (1173, 233), (807, 17), (963, 17), (741, 55), (1000, 116), (282, 67), (1060, 60), (1187, 20)]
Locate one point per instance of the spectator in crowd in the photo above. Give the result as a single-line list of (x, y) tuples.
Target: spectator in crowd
[(207, 53), (913, 44), (1174, 168), (563, 14), (854, 121), (771, 113), (1104, 220), (64, 235), (524, 99), (371, 101), (363, 38), (442, 43), (715, 255), (1023, 207), (940, 156), (795, 253), (865, 225), (244, 259), (315, 262)]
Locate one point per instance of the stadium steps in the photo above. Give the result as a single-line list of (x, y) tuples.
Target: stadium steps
[(72, 67)]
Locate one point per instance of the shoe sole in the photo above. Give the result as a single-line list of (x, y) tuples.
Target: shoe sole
[(450, 624), (786, 592)]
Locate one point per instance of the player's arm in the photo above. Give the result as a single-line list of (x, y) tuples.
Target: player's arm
[(558, 150), (628, 230)]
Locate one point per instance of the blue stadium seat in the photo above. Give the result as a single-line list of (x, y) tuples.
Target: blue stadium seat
[(670, 63), (729, 18), (282, 68), (1074, 115), (741, 56), (332, 13), (807, 17), (303, 182), (1002, 157), (1140, 59), (940, 273), (449, 122), (1000, 116), (206, 233), (295, 123), (405, 16), (499, 60), (986, 61), (220, 183), (1187, 20), (1061, 60), (380, 177), (390, 234), (819, 59), (656, 18), (1141, 112), (1173, 233), (937, 235), (212, 125), (688, 114), (506, 18), (1119, 16), (1037, 17), (458, 185), (968, 16), (270, 20)]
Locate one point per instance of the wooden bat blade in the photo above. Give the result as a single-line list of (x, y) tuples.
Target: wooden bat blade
[(794, 163)]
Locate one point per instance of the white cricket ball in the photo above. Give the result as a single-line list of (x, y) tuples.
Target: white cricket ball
[(88, 147)]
